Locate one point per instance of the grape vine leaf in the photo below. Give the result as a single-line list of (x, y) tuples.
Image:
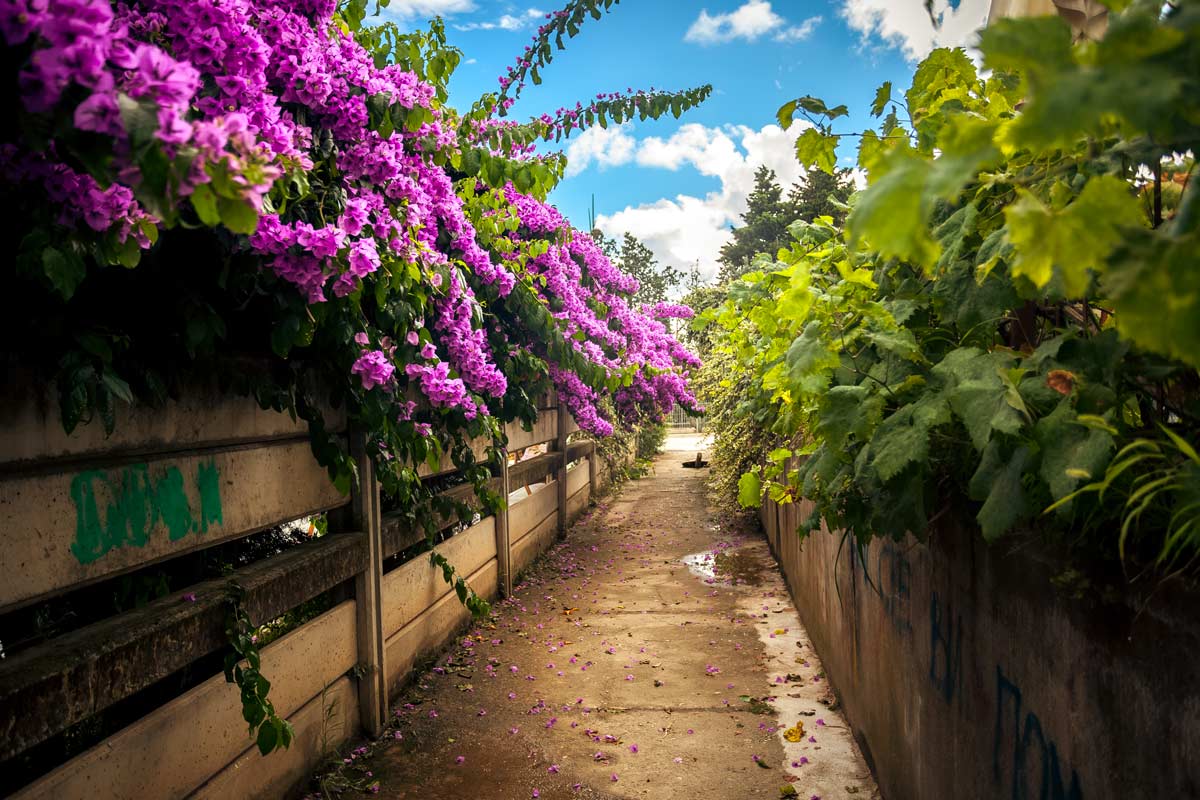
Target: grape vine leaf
[(1075, 240), (1070, 450), (890, 215), (997, 482), (883, 96), (903, 437), (847, 410), (817, 149), (1155, 290), (750, 490)]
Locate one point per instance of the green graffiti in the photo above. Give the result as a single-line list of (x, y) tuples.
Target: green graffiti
[(208, 481), (135, 504)]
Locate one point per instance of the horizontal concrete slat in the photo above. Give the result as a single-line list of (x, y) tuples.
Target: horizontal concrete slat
[(544, 430), (430, 629), (410, 589), (173, 750), (533, 543), (478, 447), (321, 725), (69, 529), (31, 429), (577, 478), (533, 470), (49, 687), (577, 503), (527, 514)]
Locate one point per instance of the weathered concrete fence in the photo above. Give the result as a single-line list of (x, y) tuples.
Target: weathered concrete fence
[(209, 469), (966, 674)]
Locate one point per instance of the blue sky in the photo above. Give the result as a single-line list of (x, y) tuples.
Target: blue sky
[(679, 184)]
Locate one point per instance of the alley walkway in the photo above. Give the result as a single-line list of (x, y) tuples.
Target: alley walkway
[(651, 655)]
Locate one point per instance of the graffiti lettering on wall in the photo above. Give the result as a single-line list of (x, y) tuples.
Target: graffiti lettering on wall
[(945, 648), (890, 581), (1022, 753), (122, 508)]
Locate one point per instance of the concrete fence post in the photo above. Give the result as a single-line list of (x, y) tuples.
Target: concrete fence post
[(593, 472), (503, 541), (372, 684), (561, 476)]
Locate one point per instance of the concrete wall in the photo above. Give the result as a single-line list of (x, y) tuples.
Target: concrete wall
[(965, 674)]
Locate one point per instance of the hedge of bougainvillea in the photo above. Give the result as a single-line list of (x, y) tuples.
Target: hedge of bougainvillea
[(277, 194)]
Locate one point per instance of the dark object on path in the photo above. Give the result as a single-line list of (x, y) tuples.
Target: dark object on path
[(698, 463)]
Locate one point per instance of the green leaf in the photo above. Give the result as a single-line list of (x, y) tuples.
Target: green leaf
[(1071, 451), (847, 410), (1155, 289), (1076, 240), (1036, 46), (268, 738), (205, 204), (883, 96), (966, 145), (237, 215), (64, 269), (786, 113), (139, 118), (890, 214), (903, 438), (810, 361), (779, 454), (749, 490), (817, 149), (117, 386), (983, 407), (997, 482)]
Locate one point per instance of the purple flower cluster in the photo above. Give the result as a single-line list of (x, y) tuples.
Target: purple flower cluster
[(255, 97)]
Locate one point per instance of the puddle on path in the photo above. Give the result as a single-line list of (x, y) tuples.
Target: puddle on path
[(735, 567)]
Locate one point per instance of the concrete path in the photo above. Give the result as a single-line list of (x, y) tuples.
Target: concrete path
[(652, 655)]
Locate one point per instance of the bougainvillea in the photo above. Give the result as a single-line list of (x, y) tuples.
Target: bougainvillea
[(390, 244)]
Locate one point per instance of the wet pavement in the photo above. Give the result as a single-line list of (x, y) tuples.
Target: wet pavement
[(653, 654)]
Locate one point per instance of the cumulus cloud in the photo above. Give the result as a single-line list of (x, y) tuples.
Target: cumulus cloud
[(797, 33), (426, 9), (604, 147), (906, 25), (750, 21), (506, 22), (686, 230)]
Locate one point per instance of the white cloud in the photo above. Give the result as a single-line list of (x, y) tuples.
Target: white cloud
[(605, 147), (506, 22), (687, 230), (797, 33), (426, 9), (905, 23), (749, 21)]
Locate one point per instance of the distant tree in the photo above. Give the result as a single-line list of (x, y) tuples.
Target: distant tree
[(763, 229), (768, 214), (656, 280), (608, 245), (819, 196)]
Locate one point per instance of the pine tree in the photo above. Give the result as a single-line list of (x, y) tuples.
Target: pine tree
[(763, 229), (817, 195)]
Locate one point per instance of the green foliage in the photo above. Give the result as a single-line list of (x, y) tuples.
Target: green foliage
[(478, 607), (242, 667), (1008, 319)]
